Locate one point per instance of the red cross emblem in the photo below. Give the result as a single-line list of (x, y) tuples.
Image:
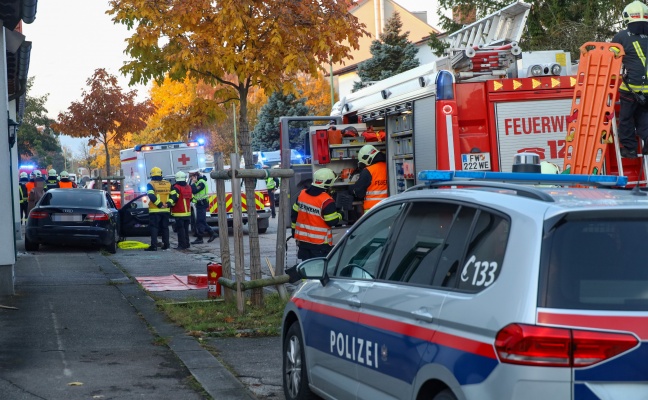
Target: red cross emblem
[(184, 159)]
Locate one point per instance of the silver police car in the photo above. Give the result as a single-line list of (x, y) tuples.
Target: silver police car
[(480, 290)]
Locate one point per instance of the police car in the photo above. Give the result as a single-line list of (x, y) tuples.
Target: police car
[(477, 288)]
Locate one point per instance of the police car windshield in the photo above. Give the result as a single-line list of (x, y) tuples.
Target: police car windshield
[(72, 198), (598, 265)]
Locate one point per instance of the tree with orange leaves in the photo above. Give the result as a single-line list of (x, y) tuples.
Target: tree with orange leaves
[(240, 45), (105, 113)]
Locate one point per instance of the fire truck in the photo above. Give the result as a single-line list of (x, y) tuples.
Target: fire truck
[(473, 109), (172, 157)]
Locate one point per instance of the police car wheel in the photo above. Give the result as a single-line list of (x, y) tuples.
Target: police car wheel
[(445, 395), (295, 377)]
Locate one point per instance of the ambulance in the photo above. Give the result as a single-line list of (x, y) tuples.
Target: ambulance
[(171, 157)]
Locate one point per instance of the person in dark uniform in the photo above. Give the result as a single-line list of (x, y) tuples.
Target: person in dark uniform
[(52, 180), (158, 190), (24, 196), (633, 91), (180, 204), (201, 199), (313, 215)]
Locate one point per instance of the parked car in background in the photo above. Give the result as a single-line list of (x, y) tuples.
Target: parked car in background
[(113, 188), (73, 217), (471, 290)]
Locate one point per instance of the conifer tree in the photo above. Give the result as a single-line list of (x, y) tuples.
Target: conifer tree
[(265, 136), (391, 55)]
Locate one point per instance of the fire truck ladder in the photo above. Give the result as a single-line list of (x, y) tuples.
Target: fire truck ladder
[(591, 125), (487, 46)]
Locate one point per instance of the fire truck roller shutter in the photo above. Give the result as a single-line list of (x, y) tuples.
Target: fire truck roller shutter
[(425, 135)]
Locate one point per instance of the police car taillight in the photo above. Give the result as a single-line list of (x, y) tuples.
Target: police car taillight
[(545, 346)]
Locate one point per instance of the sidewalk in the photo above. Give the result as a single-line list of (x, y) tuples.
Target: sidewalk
[(82, 328)]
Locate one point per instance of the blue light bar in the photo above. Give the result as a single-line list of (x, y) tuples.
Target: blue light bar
[(523, 177)]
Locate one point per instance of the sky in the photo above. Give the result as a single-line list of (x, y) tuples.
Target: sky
[(72, 38)]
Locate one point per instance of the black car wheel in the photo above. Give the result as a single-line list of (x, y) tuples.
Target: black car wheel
[(30, 246), (295, 377)]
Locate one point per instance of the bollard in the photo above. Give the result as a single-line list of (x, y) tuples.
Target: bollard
[(214, 271)]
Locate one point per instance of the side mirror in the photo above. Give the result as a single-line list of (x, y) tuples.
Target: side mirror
[(315, 268), (133, 205)]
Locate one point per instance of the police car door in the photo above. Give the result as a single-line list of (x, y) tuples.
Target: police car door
[(335, 351), (401, 309)]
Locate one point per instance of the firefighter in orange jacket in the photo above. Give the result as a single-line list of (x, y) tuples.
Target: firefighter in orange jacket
[(372, 182), (180, 204), (65, 182), (158, 190), (313, 215)]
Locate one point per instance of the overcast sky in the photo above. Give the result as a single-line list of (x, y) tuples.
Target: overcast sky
[(72, 38)]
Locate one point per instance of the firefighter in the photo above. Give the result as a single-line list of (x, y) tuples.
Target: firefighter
[(633, 92), (30, 183), (180, 204), (24, 196), (65, 181), (36, 192), (52, 180), (371, 186), (271, 185), (313, 215), (201, 199), (158, 190)]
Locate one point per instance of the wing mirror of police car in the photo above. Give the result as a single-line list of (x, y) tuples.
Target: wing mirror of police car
[(315, 268)]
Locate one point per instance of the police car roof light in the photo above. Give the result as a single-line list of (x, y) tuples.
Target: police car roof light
[(523, 177)]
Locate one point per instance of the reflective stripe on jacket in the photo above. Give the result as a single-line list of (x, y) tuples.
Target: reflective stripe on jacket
[(159, 195), (377, 190), (180, 199), (311, 226), (23, 193), (202, 194), (270, 183)]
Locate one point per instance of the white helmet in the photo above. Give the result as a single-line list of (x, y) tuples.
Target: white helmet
[(547, 167), (64, 174), (636, 11), (180, 176), (23, 175), (324, 178), (51, 172), (367, 154), (38, 174)]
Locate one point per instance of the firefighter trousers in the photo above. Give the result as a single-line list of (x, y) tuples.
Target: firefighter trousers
[(159, 224), (633, 121)]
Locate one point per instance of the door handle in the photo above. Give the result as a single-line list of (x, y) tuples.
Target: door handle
[(354, 301), (423, 314)]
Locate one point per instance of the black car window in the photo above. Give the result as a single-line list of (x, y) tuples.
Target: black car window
[(454, 249), (485, 254), (419, 243), (598, 265), (363, 247), (72, 198)]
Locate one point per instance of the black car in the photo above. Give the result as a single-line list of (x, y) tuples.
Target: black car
[(73, 216)]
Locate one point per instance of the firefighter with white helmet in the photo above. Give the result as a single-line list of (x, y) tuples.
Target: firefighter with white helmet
[(36, 191), (52, 180), (200, 192), (180, 204), (313, 215), (65, 181), (371, 186), (633, 92), (158, 190)]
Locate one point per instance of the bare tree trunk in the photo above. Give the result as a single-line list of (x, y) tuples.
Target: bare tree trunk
[(250, 184), (105, 143)]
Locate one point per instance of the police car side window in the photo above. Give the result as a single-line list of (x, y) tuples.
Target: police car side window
[(420, 242), (454, 248), (363, 248), (485, 253)]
